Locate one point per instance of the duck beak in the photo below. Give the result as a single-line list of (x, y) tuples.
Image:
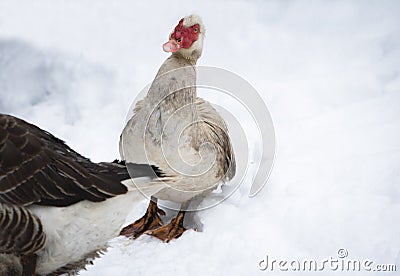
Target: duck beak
[(171, 46)]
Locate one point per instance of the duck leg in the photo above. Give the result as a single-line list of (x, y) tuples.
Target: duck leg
[(173, 230), (151, 220)]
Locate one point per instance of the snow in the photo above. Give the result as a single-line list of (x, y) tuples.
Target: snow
[(328, 71)]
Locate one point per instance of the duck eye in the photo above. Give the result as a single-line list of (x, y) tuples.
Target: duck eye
[(179, 40), (195, 30)]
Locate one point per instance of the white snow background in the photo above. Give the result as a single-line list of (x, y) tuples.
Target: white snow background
[(329, 72)]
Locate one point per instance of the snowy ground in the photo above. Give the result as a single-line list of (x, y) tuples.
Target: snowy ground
[(328, 71)]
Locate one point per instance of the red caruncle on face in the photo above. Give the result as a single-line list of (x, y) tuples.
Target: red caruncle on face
[(185, 36)]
